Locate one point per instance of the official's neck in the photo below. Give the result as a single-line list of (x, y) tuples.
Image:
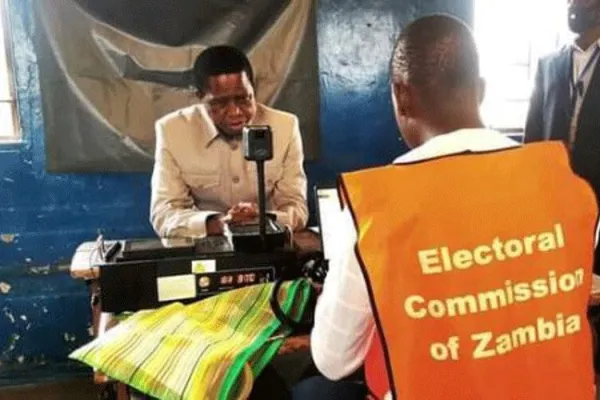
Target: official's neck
[(588, 38), (458, 122)]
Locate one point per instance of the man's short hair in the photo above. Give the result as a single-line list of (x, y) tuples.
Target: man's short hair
[(436, 54), (219, 60)]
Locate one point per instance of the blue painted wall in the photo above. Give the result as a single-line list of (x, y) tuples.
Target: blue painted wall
[(43, 313)]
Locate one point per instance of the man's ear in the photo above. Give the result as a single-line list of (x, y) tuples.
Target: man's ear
[(481, 91), (400, 92)]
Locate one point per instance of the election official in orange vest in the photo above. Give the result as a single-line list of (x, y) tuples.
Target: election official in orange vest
[(466, 266)]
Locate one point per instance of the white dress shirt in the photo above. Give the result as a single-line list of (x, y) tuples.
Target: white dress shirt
[(344, 324)]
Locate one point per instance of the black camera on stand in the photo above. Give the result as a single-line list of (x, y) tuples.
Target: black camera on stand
[(267, 235)]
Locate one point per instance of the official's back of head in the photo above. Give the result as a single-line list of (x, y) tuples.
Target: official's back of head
[(435, 78)]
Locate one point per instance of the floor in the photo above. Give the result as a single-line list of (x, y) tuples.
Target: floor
[(291, 367), (80, 389)]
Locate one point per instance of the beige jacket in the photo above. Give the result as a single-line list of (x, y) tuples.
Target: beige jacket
[(197, 173)]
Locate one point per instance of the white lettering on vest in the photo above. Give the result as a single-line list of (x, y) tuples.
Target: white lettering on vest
[(418, 307), (443, 259), (428, 260), (480, 258), (462, 259), (409, 307), (487, 346), (483, 339)]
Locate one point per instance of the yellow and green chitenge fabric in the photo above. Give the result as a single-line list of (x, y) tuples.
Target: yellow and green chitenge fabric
[(211, 349)]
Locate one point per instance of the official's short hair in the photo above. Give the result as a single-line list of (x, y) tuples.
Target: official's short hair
[(218, 60), (436, 54)]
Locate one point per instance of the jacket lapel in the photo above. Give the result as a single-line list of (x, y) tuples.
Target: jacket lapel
[(589, 115), (563, 77), (586, 153)]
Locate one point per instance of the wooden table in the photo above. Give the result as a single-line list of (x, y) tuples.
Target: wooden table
[(85, 266)]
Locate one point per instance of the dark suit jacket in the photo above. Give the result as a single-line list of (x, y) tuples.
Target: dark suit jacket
[(550, 114)]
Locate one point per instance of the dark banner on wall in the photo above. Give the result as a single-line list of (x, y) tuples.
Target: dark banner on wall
[(110, 68)]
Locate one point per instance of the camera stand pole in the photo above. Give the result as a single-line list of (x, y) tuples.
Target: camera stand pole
[(262, 206)]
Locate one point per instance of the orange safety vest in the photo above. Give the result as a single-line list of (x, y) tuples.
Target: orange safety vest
[(479, 269)]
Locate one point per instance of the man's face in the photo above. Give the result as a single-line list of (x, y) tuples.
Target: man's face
[(230, 102), (583, 15)]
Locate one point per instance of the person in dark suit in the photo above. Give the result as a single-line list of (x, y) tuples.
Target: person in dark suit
[(565, 104)]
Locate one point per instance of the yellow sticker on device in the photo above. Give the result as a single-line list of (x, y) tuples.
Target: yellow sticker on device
[(204, 266)]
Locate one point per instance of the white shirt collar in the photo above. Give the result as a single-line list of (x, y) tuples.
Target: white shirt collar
[(473, 140)]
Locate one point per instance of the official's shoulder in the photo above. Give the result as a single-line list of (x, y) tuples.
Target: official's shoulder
[(268, 114), (183, 115), (554, 56)]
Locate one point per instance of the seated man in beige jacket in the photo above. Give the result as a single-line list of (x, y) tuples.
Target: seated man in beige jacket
[(201, 179)]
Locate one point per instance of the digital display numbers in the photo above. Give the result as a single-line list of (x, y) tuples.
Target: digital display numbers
[(226, 280)]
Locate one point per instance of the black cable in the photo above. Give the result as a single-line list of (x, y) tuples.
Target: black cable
[(314, 267), (285, 320)]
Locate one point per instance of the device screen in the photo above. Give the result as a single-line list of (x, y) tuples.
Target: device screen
[(329, 216)]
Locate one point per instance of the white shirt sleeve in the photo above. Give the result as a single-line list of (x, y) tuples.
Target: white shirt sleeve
[(597, 233), (173, 212), (344, 324)]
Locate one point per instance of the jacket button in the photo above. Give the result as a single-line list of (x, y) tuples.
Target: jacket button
[(236, 179)]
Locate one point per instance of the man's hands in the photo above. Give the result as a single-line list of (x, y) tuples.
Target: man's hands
[(215, 225), (242, 213), (238, 214)]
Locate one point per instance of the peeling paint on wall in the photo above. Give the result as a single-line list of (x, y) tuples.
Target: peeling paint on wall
[(8, 238), (43, 270), (69, 337), (9, 315), (4, 287), (12, 344)]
